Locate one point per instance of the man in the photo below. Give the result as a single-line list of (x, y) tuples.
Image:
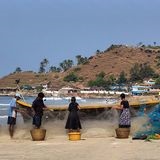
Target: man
[(38, 107), (12, 114)]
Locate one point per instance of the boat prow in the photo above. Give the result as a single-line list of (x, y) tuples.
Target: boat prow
[(24, 104)]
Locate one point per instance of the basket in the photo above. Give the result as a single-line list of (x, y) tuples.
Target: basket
[(122, 132), (74, 136), (38, 134)]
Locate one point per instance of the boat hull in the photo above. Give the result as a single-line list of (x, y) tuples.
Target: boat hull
[(86, 111)]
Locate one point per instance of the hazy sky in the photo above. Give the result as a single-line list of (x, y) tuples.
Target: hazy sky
[(31, 30)]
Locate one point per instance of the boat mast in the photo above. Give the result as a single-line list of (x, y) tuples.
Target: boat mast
[(19, 89)]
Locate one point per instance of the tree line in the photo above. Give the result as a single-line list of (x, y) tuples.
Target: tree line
[(137, 74), (63, 66)]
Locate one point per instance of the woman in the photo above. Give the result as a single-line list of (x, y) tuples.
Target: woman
[(73, 121), (125, 117)]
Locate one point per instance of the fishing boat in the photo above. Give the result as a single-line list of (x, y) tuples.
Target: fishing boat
[(87, 111)]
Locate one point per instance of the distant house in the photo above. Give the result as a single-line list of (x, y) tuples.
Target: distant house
[(155, 88), (117, 87), (8, 90), (139, 90), (66, 90)]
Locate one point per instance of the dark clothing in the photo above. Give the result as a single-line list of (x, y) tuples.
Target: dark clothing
[(38, 107), (73, 121), (125, 104), (11, 120), (125, 117), (37, 120)]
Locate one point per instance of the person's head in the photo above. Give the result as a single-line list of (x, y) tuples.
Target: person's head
[(73, 99), (122, 96), (41, 95), (17, 96)]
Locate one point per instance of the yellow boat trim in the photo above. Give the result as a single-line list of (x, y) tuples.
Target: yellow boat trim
[(98, 106), (24, 104)]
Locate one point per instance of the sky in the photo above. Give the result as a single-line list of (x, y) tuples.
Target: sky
[(31, 30)]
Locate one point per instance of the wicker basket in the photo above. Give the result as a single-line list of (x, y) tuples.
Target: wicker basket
[(122, 132), (38, 134), (74, 136)]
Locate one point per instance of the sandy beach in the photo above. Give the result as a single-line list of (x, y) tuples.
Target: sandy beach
[(98, 142), (60, 148)]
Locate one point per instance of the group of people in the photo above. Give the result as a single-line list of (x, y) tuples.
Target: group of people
[(73, 121)]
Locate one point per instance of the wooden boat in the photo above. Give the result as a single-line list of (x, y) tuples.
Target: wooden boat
[(86, 111)]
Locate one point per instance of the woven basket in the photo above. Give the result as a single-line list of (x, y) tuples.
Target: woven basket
[(38, 134), (122, 132), (74, 136)]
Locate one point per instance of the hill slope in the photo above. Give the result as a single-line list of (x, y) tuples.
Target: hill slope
[(115, 59), (120, 58)]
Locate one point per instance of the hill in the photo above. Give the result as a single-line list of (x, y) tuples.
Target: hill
[(119, 58), (112, 61)]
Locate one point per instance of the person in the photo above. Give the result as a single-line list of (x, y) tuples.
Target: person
[(73, 121), (125, 116), (38, 108), (12, 114)]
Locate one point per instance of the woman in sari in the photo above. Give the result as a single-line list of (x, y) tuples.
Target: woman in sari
[(125, 116)]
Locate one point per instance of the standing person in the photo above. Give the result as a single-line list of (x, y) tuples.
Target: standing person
[(38, 108), (125, 116), (73, 121), (12, 114)]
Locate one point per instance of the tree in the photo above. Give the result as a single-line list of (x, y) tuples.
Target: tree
[(43, 65), (45, 61), (99, 81), (101, 74), (71, 77), (81, 60), (54, 69), (157, 82), (140, 71), (111, 80), (146, 71), (18, 70), (41, 68), (78, 57), (98, 51), (122, 78), (134, 73), (66, 64)]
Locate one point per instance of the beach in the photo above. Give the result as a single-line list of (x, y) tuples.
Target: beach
[(98, 142), (60, 148)]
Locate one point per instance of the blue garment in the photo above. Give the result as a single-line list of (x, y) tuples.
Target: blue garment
[(37, 120), (11, 120), (11, 107)]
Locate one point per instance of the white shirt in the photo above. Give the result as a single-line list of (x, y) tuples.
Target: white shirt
[(11, 111)]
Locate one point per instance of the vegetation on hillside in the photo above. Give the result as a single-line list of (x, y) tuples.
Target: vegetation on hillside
[(119, 64)]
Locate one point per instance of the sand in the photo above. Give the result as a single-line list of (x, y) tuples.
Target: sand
[(98, 142), (60, 148)]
